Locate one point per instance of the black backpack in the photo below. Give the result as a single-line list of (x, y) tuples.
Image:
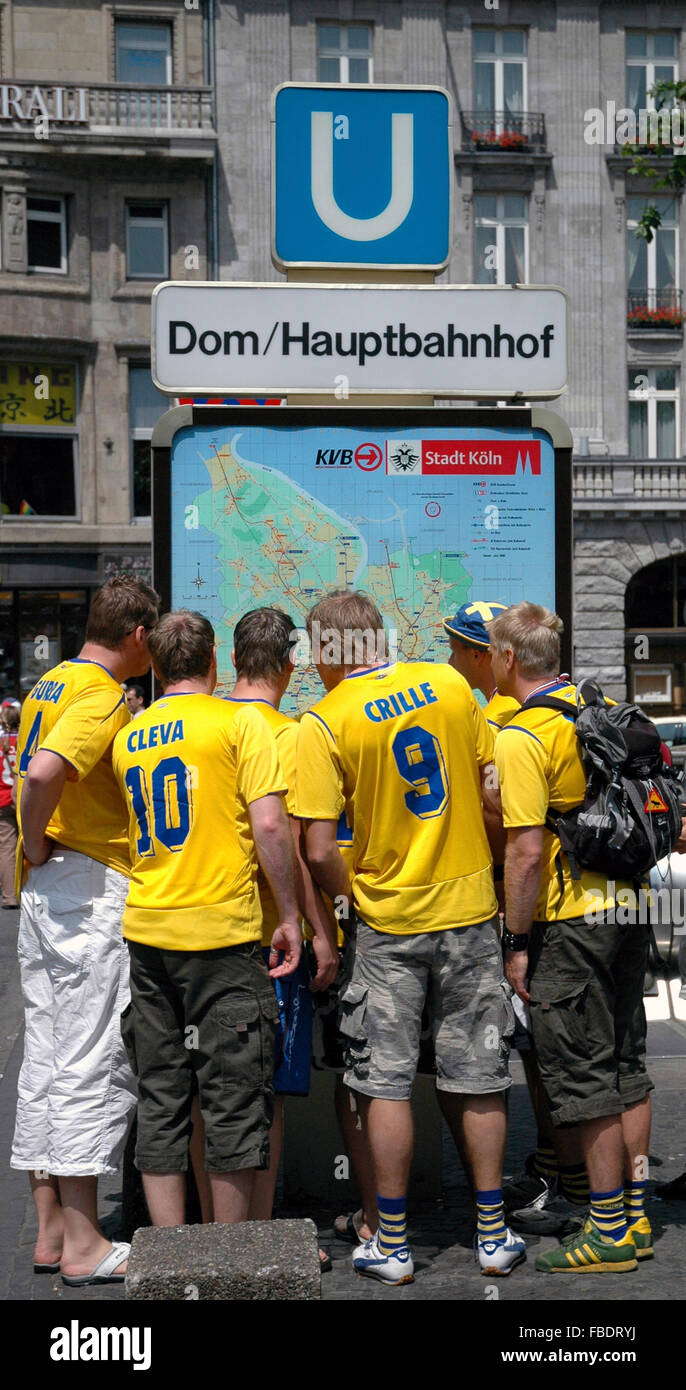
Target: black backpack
[(631, 813)]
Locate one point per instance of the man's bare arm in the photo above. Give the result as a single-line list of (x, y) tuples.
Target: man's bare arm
[(328, 866), (314, 910), (41, 791), (274, 846), (522, 883), (492, 811)]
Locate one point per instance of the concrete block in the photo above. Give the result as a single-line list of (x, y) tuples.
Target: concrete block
[(251, 1261)]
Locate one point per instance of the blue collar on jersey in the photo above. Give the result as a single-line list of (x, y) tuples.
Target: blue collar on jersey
[(87, 661), (370, 670), (247, 700), (559, 683)]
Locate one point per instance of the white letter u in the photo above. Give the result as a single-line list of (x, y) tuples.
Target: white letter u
[(402, 181)]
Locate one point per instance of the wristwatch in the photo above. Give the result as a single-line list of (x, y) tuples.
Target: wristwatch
[(515, 941)]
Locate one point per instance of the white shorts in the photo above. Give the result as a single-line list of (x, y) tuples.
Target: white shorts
[(76, 1091)]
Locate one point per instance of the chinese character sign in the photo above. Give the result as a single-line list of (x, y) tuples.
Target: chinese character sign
[(34, 393)]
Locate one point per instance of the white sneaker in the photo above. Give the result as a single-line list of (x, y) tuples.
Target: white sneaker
[(499, 1257), (390, 1269)]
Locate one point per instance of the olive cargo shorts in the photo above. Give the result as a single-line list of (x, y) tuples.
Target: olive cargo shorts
[(587, 1016), (212, 1014)]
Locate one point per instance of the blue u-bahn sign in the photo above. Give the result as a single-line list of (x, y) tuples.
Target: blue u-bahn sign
[(361, 176)]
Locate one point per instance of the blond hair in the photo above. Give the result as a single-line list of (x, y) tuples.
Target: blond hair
[(533, 634)]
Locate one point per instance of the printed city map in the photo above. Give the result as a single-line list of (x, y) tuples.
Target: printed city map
[(276, 515)]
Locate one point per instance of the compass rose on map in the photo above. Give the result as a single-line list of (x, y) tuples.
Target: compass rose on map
[(198, 581)]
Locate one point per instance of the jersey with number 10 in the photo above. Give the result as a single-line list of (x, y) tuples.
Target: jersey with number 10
[(399, 748), (190, 766)]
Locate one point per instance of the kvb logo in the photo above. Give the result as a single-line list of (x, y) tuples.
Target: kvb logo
[(368, 457)]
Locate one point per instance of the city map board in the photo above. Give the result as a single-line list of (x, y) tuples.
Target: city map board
[(425, 510)]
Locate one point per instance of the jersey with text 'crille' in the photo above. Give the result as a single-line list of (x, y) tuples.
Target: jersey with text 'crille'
[(538, 758), (75, 710), (398, 749), (285, 731), (190, 766)]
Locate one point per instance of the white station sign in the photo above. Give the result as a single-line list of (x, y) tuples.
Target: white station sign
[(445, 340)]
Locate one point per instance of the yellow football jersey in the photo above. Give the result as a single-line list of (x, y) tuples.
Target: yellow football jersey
[(398, 749), (285, 731), (539, 766), (75, 710), (500, 710), (190, 766)]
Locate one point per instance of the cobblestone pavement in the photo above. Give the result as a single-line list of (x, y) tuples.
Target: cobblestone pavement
[(440, 1231)]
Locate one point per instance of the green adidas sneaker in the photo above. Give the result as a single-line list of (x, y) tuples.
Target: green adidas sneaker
[(586, 1251), (642, 1235)]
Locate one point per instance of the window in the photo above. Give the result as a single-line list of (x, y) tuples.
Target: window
[(143, 54), (46, 235), (147, 241), (653, 413), (59, 614), (500, 73), (344, 53), (650, 58), (37, 475), (500, 239), (146, 404), (656, 597), (653, 267)]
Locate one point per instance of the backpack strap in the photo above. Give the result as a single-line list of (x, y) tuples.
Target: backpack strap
[(550, 702), (551, 821)]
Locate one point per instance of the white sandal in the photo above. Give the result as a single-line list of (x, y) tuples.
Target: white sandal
[(103, 1272)]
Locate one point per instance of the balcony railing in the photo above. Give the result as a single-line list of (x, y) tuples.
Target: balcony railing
[(618, 484), (654, 309), (106, 109), (501, 131)]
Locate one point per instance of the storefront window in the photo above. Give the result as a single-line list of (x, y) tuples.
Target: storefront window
[(38, 629)]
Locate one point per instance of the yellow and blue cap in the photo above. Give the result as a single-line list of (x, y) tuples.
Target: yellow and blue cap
[(469, 623)]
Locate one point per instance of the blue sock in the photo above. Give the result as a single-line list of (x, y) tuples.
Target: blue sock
[(490, 1218), (392, 1233), (607, 1210)]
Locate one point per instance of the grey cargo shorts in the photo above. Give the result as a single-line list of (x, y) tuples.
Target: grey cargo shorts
[(459, 972)]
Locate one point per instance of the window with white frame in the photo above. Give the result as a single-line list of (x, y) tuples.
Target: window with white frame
[(653, 413), (46, 235), (143, 53), (147, 241), (146, 404), (344, 53), (652, 266), (501, 237), (650, 58), (500, 72)]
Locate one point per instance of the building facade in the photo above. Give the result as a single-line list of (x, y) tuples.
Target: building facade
[(107, 142), (536, 200), (156, 164)]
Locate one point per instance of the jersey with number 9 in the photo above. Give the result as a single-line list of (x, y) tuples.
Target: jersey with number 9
[(399, 748)]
